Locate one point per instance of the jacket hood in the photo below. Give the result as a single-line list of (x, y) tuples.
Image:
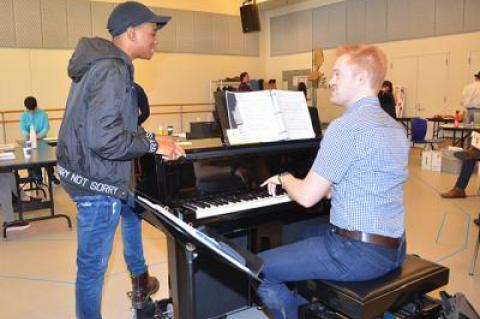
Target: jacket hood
[(91, 50)]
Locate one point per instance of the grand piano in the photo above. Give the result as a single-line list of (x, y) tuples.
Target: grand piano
[(216, 188)]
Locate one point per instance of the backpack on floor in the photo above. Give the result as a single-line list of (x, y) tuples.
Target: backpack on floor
[(457, 307)]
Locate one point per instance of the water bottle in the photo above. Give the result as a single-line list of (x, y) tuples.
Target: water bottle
[(456, 119), (33, 136)]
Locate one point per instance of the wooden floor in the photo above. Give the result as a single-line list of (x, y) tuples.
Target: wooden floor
[(37, 266)]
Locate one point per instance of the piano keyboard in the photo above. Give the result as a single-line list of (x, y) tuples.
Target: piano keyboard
[(209, 207)]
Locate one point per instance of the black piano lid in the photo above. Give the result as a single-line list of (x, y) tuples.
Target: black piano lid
[(215, 149)]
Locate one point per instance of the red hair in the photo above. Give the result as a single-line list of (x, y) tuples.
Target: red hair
[(368, 58)]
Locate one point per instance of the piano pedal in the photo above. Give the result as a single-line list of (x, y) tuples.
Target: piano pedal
[(160, 309)]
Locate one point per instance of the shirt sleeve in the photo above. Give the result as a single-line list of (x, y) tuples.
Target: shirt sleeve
[(44, 125), (107, 135), (24, 125), (336, 153)]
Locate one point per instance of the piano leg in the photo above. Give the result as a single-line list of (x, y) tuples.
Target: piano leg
[(202, 287), (267, 236)]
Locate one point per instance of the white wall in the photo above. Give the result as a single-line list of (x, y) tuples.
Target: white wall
[(167, 78), (458, 48), (184, 78)]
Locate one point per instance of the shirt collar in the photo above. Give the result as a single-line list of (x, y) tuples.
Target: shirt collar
[(364, 101)]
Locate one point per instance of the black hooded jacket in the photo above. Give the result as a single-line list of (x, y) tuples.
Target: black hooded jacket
[(99, 135)]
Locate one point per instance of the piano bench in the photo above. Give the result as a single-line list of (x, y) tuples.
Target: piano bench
[(370, 299)]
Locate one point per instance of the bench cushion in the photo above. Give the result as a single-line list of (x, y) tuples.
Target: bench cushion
[(368, 299)]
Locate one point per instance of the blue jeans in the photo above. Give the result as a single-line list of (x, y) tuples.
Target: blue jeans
[(465, 173), (97, 219), (322, 254)]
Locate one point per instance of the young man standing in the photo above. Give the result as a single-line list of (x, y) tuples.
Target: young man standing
[(362, 162), (98, 139)]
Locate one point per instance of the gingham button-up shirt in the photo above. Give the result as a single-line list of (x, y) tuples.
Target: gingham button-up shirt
[(364, 154)]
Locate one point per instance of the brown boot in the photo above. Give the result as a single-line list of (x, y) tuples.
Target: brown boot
[(454, 193), (476, 221), (143, 287)]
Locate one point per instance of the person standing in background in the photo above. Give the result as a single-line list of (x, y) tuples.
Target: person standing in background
[(244, 82), (272, 84), (387, 100), (303, 88), (471, 99), (99, 137)]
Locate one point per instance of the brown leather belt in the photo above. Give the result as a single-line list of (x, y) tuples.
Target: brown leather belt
[(388, 242)]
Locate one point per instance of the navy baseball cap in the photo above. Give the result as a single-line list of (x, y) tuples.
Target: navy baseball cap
[(131, 14)]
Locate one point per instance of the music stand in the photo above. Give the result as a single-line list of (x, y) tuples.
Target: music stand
[(189, 244)]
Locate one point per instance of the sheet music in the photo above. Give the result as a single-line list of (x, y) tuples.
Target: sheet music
[(220, 248), (256, 117), (294, 110)]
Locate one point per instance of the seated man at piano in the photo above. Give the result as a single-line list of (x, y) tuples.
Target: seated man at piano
[(362, 164)]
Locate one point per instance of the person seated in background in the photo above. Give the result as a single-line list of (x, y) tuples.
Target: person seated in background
[(272, 84), (39, 119), (470, 157), (244, 82), (9, 195), (303, 88), (387, 100), (362, 162), (33, 116)]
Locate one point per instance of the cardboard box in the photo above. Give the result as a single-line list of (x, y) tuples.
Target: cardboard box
[(432, 160), (427, 160), (450, 164), (436, 161)]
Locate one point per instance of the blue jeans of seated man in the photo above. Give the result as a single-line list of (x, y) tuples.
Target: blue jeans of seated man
[(465, 173), (97, 220), (322, 254)]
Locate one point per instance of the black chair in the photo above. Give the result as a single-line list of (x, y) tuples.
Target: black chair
[(370, 299), (32, 183)]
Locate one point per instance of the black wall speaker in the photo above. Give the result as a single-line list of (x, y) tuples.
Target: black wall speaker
[(250, 19)]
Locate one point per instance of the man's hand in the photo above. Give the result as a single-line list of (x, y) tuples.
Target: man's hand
[(168, 149), (271, 184)]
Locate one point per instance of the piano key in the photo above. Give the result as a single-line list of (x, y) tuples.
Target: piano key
[(246, 204)]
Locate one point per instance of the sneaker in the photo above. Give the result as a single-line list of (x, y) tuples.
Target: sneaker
[(16, 225), (454, 193)]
